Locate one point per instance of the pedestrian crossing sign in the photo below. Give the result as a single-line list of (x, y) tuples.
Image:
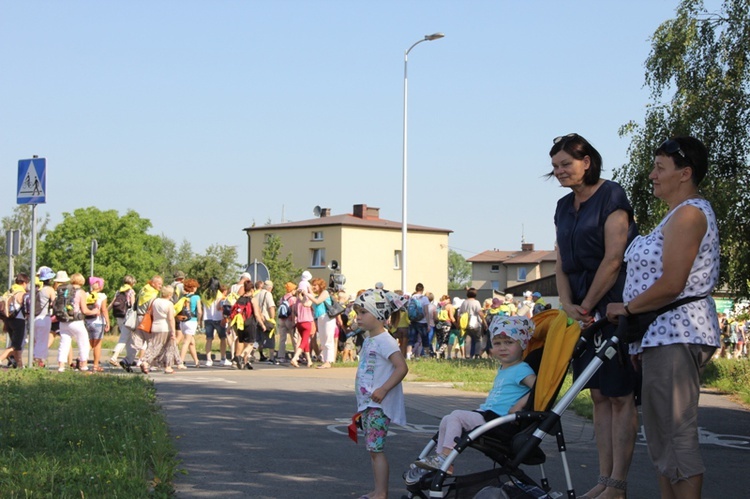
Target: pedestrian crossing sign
[(32, 181)]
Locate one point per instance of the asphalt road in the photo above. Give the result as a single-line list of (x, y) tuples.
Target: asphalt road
[(280, 432)]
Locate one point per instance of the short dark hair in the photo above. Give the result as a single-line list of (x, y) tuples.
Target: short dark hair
[(695, 156), (471, 293), (579, 148), (420, 287), (22, 278)]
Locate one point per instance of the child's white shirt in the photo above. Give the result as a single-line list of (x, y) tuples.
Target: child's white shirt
[(374, 370)]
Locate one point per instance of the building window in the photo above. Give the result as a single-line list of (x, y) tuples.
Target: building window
[(495, 285), (317, 235), (521, 273), (494, 269), (397, 259), (318, 257)]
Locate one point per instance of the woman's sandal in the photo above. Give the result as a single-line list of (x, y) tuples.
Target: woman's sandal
[(617, 484), (294, 363), (144, 368)]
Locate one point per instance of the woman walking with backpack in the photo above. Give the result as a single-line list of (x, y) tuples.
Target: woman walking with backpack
[(70, 308), (192, 312), (99, 324), (122, 303), (43, 319)]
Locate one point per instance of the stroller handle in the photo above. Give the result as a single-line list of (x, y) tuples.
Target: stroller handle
[(587, 336)]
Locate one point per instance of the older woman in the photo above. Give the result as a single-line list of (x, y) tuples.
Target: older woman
[(594, 224), (682, 262), (162, 348), (99, 324), (76, 327), (326, 325)]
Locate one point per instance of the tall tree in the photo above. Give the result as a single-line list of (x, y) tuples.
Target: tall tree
[(698, 72), (21, 220), (459, 270), (124, 247), (219, 261), (282, 270)]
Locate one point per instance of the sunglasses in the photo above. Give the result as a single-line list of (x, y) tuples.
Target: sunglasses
[(671, 146), (559, 139)]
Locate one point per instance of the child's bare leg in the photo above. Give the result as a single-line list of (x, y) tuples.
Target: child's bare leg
[(380, 471)]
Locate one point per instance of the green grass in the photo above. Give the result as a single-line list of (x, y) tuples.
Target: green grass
[(71, 435), (729, 375)]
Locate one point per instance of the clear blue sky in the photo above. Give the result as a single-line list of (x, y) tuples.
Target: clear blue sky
[(207, 116)]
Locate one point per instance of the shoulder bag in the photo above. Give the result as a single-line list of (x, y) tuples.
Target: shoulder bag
[(148, 320), (631, 328)]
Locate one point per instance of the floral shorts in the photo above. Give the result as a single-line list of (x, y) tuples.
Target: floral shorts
[(375, 426)]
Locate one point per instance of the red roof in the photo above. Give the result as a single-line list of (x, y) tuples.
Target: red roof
[(349, 220)]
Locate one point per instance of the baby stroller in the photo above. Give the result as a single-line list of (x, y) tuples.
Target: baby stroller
[(513, 440)]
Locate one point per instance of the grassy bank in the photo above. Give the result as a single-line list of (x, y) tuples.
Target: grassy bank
[(71, 435)]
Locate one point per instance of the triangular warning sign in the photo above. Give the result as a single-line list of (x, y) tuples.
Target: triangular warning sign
[(31, 185)]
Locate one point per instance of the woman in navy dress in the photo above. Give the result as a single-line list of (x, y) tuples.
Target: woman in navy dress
[(594, 225)]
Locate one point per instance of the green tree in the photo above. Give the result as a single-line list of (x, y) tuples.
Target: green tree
[(219, 261), (698, 72), (459, 270), (124, 247), (21, 220), (282, 270)]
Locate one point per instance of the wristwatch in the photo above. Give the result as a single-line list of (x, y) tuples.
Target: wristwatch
[(625, 306)]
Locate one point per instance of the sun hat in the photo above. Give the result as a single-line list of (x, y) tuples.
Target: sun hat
[(306, 276), (245, 275), (179, 274), (61, 276), (268, 284), (379, 285), (496, 302), (376, 303), (536, 294), (45, 273), (516, 327), (509, 297)]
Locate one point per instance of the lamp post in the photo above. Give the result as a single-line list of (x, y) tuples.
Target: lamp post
[(427, 38)]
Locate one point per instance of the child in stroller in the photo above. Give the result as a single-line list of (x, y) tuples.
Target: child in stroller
[(512, 440), (510, 391)]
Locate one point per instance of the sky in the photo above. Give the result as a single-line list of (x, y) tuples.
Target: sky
[(207, 117)]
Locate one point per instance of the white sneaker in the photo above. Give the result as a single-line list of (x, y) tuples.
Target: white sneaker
[(226, 362), (209, 363)]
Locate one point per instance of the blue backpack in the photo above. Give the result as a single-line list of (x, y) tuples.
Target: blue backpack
[(414, 310), (284, 309)]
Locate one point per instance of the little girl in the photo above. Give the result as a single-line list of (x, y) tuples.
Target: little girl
[(380, 398), (509, 393)]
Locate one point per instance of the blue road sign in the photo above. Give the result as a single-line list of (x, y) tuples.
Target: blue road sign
[(32, 181)]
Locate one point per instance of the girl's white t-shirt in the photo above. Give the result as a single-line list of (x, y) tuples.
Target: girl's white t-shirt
[(374, 370)]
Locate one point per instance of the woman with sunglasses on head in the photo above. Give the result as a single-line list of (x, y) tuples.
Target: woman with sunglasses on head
[(683, 262), (594, 224)]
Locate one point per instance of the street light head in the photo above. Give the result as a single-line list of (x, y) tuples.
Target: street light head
[(434, 36)]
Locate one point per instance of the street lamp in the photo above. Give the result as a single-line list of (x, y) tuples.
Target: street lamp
[(427, 38)]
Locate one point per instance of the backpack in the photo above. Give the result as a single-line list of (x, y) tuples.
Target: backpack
[(227, 303), (185, 313), (285, 310), (242, 307), (442, 314), (120, 305), (63, 307), (414, 310), (38, 306), (8, 308)]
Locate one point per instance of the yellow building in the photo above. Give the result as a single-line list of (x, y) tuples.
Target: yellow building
[(366, 247), (500, 270)]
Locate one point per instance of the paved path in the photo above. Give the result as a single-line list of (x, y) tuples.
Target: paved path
[(279, 432)]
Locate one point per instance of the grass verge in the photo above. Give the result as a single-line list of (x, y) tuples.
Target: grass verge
[(71, 435)]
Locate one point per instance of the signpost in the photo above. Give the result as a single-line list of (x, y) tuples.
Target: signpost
[(32, 189)]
